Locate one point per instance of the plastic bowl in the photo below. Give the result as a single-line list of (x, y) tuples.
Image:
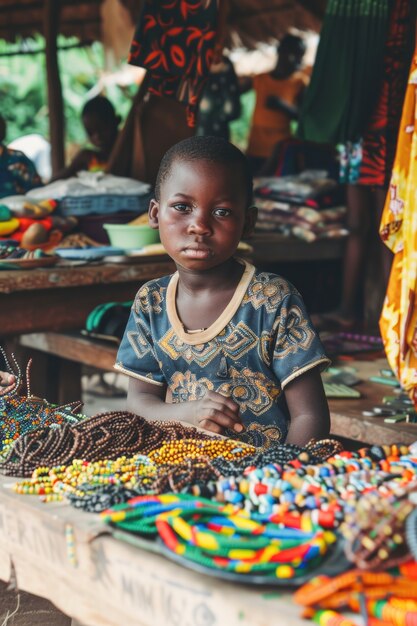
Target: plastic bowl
[(129, 236)]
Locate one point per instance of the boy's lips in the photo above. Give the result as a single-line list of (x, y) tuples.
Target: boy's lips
[(197, 252)]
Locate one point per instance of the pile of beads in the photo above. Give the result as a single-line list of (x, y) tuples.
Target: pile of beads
[(94, 486), (328, 493), (296, 486), (385, 596), (103, 436), (219, 537), (173, 453), (22, 414), (280, 454), (374, 529)]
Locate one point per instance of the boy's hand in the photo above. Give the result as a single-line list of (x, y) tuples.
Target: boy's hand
[(215, 412), (6, 379)]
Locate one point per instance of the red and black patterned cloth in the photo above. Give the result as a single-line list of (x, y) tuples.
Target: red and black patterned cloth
[(175, 42), (380, 137)]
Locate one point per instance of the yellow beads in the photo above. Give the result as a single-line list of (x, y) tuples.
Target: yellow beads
[(175, 452)]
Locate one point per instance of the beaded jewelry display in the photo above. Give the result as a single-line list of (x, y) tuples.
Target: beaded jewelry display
[(22, 414), (103, 436), (374, 529), (219, 537)]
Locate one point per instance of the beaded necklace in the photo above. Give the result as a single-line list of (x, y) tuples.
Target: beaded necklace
[(22, 414), (221, 538)]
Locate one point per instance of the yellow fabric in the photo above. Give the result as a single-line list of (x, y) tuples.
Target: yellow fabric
[(268, 125), (398, 230)]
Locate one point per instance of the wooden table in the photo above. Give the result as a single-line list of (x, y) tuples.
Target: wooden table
[(276, 248), (346, 415), (60, 297), (110, 582)]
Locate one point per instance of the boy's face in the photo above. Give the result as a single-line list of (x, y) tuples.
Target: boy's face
[(101, 132), (201, 213)]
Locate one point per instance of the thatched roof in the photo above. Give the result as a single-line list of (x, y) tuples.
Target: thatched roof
[(249, 20), (79, 18), (253, 21)]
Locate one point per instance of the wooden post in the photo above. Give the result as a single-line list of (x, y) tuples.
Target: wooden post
[(52, 9)]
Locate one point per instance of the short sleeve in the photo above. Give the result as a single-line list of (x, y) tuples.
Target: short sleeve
[(297, 347), (136, 356)]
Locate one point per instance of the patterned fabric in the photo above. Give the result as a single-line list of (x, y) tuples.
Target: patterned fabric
[(398, 321), (262, 341), (174, 41), (17, 173), (380, 136)]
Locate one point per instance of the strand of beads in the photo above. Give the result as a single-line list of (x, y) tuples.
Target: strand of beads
[(177, 452), (82, 477)]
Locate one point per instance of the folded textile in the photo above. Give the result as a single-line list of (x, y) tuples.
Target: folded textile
[(89, 184), (311, 188)]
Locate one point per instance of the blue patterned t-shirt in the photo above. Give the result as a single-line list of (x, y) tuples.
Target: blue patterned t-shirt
[(262, 341)]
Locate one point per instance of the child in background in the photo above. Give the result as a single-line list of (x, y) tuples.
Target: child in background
[(230, 344), (101, 125), (278, 97)]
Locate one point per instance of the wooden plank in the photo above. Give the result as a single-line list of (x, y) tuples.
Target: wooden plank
[(61, 298), (346, 415), (75, 347), (61, 277), (275, 248), (110, 582)]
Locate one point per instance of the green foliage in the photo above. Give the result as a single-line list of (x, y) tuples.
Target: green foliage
[(239, 129), (23, 94)]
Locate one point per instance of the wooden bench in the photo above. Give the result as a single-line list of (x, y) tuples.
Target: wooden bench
[(58, 359)]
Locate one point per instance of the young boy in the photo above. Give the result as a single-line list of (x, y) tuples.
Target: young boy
[(231, 345)]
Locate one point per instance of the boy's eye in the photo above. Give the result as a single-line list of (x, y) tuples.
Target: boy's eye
[(222, 212), (180, 206)]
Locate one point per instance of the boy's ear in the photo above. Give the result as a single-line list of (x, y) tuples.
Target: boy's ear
[(153, 214), (250, 221)]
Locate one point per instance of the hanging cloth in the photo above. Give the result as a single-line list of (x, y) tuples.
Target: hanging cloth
[(380, 136), (175, 41), (398, 230), (347, 71)]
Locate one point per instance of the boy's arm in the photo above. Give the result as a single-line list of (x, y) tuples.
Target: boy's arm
[(213, 412), (308, 408)]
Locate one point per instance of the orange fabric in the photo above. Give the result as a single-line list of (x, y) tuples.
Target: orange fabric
[(268, 125)]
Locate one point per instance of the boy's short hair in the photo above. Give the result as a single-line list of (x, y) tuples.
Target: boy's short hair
[(100, 106), (210, 149)]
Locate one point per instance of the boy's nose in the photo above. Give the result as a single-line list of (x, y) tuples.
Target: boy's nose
[(200, 225)]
